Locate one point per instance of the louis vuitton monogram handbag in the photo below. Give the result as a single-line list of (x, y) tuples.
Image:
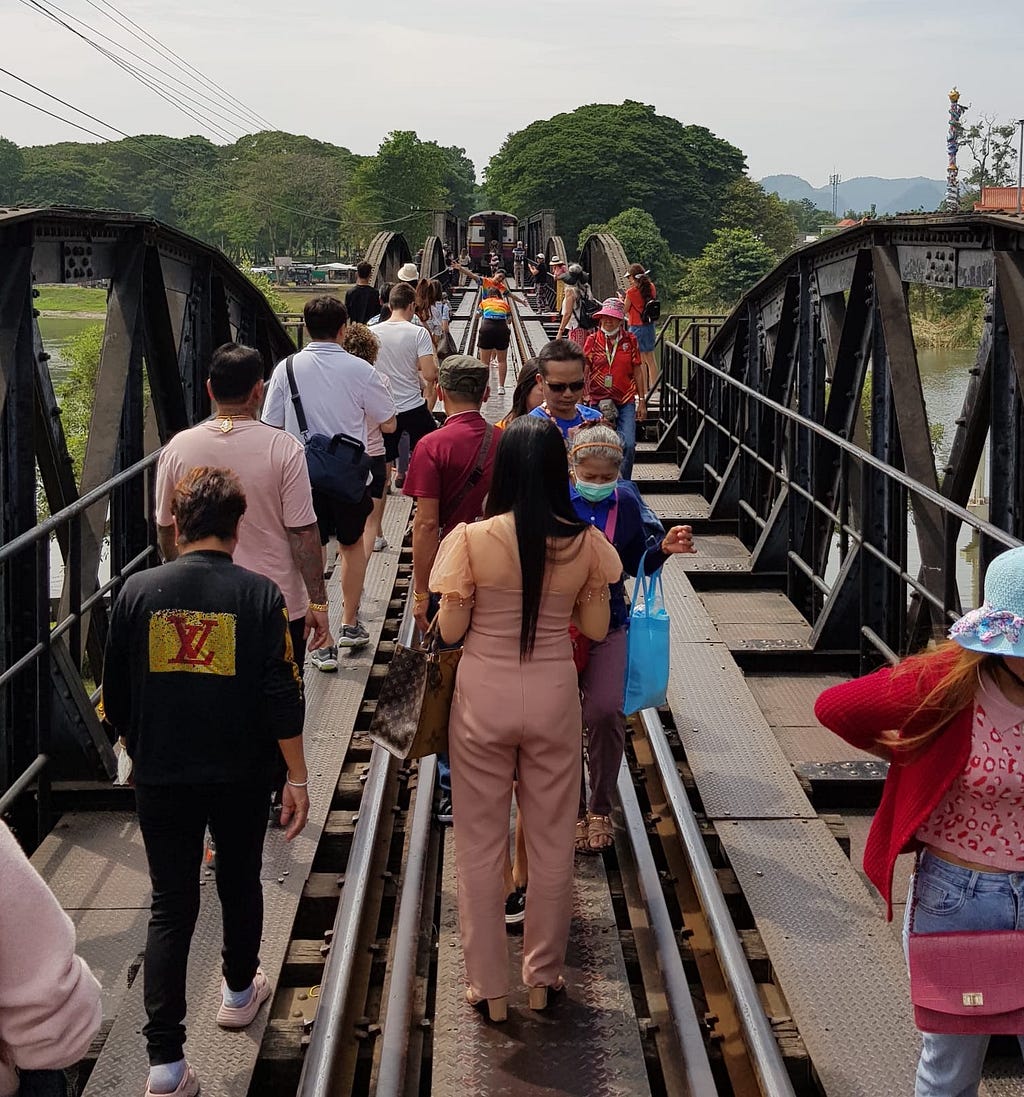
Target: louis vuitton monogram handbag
[(411, 719)]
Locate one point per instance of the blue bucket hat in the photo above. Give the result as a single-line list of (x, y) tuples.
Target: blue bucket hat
[(996, 627)]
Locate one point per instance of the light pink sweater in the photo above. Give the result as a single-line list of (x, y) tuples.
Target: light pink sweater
[(49, 999)]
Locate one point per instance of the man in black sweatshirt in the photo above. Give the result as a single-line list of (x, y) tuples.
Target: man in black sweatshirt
[(199, 678)]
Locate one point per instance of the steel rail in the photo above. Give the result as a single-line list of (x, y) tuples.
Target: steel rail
[(394, 1054), (757, 1030), (688, 1029), (331, 1037)]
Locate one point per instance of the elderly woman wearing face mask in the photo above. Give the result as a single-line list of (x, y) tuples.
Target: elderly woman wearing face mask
[(614, 506), (615, 378)]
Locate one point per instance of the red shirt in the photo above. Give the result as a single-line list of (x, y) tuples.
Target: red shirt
[(442, 463), (635, 305), (859, 711), (610, 365)]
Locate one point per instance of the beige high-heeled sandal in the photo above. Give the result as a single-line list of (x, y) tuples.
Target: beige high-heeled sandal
[(541, 997), (494, 1009)]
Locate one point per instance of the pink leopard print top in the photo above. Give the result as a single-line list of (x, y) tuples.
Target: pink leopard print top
[(981, 817)]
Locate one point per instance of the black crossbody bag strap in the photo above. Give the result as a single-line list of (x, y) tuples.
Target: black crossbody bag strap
[(474, 477), (300, 415)]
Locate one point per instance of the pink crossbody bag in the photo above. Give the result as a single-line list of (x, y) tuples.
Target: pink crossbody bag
[(967, 983)]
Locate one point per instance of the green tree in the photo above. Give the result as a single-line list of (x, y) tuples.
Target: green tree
[(748, 206), (641, 240), (808, 217), (12, 164), (991, 147), (733, 261), (592, 163)]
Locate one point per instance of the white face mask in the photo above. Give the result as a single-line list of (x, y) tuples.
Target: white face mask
[(610, 329)]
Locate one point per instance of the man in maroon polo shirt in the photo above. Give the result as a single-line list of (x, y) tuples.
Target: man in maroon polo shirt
[(449, 477)]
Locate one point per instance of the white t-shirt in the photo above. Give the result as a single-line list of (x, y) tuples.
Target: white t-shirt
[(339, 392), (402, 345)]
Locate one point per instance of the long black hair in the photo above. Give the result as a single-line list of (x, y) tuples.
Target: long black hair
[(524, 386), (531, 479), (641, 279)]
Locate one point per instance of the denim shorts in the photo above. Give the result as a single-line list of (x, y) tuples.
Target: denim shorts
[(644, 336)]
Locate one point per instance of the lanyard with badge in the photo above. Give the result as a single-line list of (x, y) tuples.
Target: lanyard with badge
[(610, 350)]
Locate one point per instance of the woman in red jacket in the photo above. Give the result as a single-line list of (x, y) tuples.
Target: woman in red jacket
[(951, 723)]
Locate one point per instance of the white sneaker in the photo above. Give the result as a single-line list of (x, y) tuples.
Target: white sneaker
[(501, 390), (379, 544)]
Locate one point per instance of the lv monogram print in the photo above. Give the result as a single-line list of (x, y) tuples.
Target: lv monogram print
[(197, 643)]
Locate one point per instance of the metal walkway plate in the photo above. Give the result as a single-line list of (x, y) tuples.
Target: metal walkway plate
[(740, 769), (841, 969), (225, 1060), (587, 1044), (686, 505)]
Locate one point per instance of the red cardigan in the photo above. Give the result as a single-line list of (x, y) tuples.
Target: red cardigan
[(859, 711)]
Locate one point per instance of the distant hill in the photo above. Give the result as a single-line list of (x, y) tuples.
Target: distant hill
[(888, 195)]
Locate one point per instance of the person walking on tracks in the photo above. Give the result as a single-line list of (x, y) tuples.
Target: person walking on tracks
[(615, 377), (279, 537), (950, 721), (200, 679), (612, 505), (495, 331), (562, 381), (363, 300), (338, 393), (576, 291), (510, 585), (449, 477), (642, 310)]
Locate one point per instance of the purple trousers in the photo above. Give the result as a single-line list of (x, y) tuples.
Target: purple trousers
[(602, 684)]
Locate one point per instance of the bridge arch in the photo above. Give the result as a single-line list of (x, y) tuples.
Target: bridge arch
[(432, 262), (387, 252), (604, 257)]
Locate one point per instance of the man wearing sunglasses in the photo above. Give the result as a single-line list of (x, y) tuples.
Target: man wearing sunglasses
[(561, 381)]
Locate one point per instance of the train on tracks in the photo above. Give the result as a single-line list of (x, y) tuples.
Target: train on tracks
[(491, 230)]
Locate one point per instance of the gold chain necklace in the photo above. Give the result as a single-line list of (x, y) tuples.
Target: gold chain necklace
[(227, 422)]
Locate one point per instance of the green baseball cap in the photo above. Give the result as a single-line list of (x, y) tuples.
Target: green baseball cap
[(463, 375)]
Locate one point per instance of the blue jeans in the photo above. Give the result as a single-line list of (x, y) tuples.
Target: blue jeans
[(951, 898), (626, 426)]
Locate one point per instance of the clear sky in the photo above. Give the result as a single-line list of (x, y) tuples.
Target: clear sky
[(806, 88)]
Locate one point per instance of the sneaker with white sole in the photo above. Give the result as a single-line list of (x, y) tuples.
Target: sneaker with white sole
[(352, 636), (187, 1087), (242, 1016), (501, 390), (379, 544), (325, 659)]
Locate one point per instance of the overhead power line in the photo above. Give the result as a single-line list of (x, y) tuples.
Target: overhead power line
[(180, 99), (144, 36)]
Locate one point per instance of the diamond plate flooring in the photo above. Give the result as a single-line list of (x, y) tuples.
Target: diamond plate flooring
[(224, 1060), (587, 1044)]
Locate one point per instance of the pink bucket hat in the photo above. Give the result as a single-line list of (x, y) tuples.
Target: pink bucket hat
[(613, 308)]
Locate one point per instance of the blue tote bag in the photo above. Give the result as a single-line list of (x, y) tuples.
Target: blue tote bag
[(647, 649)]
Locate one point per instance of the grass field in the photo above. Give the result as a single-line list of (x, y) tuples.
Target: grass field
[(71, 299)]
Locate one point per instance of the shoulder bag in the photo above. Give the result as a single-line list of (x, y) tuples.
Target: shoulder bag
[(966, 982), (415, 703), (338, 466), (474, 478)]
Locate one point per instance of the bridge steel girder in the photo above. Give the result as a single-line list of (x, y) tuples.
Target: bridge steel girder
[(387, 252), (833, 316), (432, 262), (603, 256), (171, 300)]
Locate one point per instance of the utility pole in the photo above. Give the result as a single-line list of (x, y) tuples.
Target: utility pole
[(1020, 162), (834, 180)]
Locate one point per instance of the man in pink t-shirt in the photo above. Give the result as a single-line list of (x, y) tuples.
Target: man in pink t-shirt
[(278, 536)]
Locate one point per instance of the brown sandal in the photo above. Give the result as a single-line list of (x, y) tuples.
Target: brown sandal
[(582, 836), (600, 830)]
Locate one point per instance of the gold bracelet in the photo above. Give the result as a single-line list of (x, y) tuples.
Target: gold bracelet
[(421, 596), (318, 607)]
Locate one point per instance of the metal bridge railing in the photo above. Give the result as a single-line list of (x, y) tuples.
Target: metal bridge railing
[(48, 644), (802, 495), (684, 330)]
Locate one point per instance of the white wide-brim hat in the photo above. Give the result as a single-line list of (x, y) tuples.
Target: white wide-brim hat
[(409, 272), (996, 627)]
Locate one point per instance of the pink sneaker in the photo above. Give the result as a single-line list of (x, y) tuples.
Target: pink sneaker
[(187, 1087), (241, 1016)]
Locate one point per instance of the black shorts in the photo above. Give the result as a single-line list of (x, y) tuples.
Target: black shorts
[(345, 520), (378, 476), (493, 335), (416, 422)]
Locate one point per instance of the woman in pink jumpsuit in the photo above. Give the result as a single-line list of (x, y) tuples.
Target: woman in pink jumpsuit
[(511, 584)]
